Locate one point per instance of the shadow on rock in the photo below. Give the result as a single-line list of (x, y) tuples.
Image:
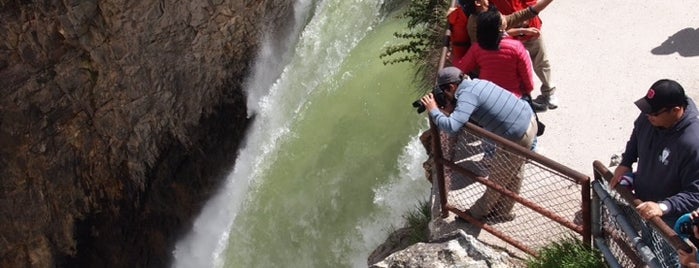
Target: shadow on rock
[(683, 42)]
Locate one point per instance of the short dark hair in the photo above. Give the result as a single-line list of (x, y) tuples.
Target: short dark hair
[(469, 6), (488, 29)]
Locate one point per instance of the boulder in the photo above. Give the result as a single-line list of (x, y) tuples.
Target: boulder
[(458, 249)]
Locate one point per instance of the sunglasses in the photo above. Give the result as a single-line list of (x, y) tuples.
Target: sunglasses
[(659, 112)]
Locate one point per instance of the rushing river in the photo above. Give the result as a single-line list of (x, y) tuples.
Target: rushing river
[(332, 161)]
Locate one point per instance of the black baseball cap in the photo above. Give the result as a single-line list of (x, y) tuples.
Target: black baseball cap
[(664, 93)]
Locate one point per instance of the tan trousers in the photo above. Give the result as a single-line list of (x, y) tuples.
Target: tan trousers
[(505, 171), (540, 64)]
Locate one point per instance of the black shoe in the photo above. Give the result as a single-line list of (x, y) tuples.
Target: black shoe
[(540, 107), (550, 101)]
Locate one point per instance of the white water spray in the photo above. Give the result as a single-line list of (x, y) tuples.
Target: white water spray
[(203, 246), (279, 100)]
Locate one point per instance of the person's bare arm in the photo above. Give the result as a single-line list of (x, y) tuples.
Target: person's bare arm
[(541, 5), (521, 17)]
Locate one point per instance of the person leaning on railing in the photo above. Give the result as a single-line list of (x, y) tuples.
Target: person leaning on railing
[(498, 111), (664, 142)]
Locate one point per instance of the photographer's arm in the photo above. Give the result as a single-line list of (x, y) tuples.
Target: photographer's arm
[(449, 123), (429, 102)]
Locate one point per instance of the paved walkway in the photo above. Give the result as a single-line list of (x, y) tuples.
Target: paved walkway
[(604, 56)]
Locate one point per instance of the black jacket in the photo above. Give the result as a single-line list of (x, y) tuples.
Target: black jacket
[(668, 162)]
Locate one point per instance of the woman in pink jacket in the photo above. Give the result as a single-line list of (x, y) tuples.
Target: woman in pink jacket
[(497, 57)]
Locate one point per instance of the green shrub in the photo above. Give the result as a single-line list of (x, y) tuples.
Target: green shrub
[(568, 253), (422, 40), (417, 222)]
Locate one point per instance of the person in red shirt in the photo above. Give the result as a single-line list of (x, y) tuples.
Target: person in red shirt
[(459, 40), (537, 52), (474, 7), (500, 59)]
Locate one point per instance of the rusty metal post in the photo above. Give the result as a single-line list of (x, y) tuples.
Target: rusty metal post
[(436, 143), (596, 210), (586, 215), (438, 157)]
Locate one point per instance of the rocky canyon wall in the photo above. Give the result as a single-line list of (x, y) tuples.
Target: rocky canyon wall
[(117, 121)]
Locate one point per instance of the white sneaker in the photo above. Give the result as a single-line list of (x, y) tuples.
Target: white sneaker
[(553, 102)]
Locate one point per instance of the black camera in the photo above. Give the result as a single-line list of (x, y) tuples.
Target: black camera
[(439, 97), (686, 227)]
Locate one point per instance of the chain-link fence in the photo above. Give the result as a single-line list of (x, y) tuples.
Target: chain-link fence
[(628, 239), (519, 196)]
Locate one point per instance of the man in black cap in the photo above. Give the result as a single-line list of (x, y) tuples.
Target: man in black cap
[(665, 142)]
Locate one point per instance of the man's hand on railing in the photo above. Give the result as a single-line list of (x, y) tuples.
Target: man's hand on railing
[(618, 173), (649, 209)]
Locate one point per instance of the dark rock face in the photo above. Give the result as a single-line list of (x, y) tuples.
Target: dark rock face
[(118, 119)]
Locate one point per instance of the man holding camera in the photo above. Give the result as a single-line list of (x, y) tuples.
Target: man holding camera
[(496, 110)]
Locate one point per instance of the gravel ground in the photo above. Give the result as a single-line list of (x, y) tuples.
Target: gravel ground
[(604, 56)]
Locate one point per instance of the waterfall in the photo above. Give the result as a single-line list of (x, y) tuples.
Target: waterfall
[(332, 159)]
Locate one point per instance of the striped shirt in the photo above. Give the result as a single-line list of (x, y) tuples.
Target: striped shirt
[(494, 108)]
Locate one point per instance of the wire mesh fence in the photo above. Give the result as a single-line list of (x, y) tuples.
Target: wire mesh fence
[(529, 201), (622, 246), (631, 240)]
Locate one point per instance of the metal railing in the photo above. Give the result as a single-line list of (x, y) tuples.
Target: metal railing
[(552, 203), (549, 189), (623, 235)]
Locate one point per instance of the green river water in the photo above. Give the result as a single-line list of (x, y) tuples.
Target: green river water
[(332, 161)]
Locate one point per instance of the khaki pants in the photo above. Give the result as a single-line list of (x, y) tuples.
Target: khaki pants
[(540, 64), (505, 171)]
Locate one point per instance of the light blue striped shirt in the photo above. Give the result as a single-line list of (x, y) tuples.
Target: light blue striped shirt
[(494, 108)]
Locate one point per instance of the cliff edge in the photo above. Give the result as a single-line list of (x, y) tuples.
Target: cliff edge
[(118, 120)]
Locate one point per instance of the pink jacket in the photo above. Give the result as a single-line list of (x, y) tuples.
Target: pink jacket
[(509, 67)]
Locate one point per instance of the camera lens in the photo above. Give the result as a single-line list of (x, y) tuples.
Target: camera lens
[(686, 228), (420, 107)]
